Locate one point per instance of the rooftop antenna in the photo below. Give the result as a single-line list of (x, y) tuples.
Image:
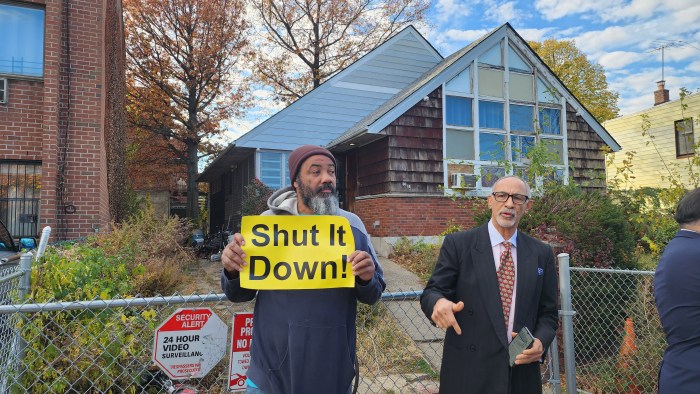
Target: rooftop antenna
[(662, 45)]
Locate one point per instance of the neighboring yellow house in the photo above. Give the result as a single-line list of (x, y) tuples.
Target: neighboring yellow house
[(674, 141)]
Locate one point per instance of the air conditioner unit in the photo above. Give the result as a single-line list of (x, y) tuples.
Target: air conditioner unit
[(3, 91), (462, 181)]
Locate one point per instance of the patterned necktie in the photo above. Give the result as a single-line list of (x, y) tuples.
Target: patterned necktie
[(506, 280)]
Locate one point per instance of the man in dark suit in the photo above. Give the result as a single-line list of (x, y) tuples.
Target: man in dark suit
[(677, 294), (471, 294)]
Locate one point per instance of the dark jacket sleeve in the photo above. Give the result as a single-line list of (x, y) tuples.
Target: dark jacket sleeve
[(368, 292), (442, 282), (233, 290)]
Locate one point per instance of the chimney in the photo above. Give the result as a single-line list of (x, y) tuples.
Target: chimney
[(661, 95)]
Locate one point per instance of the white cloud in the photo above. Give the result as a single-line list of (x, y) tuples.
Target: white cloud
[(502, 13), (449, 9), (536, 34), (452, 40), (694, 66), (608, 38), (555, 9), (619, 59), (677, 13)]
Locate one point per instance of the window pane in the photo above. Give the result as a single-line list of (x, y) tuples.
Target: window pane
[(545, 94), (489, 175), (516, 62), (459, 111), (492, 56), (271, 169), (20, 188), (492, 146), (491, 114), (459, 144), (557, 148), (22, 32), (685, 140), (521, 87), (522, 118), (462, 83), (490, 82), (520, 145), (550, 121)]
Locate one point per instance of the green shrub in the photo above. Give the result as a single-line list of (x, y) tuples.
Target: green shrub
[(255, 195), (587, 225), (96, 350), (650, 214)]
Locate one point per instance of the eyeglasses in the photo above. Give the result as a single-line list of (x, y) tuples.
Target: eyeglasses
[(503, 197)]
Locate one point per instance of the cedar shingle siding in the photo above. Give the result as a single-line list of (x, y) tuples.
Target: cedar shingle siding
[(586, 159)]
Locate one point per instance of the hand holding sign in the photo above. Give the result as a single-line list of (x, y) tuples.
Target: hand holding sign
[(362, 265), (233, 256), (298, 252)]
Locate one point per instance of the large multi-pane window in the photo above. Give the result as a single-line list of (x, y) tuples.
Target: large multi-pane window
[(22, 32), (685, 139), (20, 188), (273, 169), (496, 110)]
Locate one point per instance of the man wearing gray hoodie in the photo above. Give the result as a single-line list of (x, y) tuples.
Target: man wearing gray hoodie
[(304, 341)]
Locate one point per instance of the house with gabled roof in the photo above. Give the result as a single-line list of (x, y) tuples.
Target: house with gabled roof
[(316, 118), (449, 131)]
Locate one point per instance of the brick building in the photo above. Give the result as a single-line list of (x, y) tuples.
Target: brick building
[(61, 95)]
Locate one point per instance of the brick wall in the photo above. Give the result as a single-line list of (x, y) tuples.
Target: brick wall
[(63, 116), (414, 216), (21, 120)]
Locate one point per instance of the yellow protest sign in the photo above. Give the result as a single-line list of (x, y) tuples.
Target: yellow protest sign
[(297, 252)]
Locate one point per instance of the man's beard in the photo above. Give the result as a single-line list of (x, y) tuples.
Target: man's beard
[(319, 202)]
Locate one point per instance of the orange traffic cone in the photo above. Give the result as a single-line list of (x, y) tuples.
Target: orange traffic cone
[(627, 350)]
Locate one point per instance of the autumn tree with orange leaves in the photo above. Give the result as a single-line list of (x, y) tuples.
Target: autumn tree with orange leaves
[(306, 42), (181, 67)]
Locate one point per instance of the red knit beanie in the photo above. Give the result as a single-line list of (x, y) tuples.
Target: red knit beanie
[(300, 154)]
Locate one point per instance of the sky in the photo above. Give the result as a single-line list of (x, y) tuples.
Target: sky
[(623, 36)]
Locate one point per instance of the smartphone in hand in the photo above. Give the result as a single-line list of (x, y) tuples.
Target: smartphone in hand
[(522, 341)]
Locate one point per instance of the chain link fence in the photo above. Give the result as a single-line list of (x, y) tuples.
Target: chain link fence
[(107, 346), (618, 339), (10, 275)]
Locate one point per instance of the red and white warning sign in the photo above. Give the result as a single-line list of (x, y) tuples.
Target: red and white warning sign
[(189, 343), (241, 335)]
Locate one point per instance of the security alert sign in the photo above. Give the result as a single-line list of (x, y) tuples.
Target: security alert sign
[(190, 343), (241, 335)]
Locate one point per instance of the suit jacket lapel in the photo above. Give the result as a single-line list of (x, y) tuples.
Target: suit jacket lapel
[(526, 273), (485, 269)]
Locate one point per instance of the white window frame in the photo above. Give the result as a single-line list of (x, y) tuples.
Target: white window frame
[(284, 182), (4, 91), (476, 164)]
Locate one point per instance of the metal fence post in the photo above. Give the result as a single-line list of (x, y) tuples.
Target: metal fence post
[(567, 322), (556, 374), (25, 265)]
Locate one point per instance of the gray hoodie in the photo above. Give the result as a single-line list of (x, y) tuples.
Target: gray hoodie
[(304, 340)]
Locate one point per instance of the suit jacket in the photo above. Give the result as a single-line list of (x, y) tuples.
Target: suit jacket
[(677, 295), (477, 361)]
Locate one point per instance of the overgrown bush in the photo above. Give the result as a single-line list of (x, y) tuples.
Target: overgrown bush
[(96, 351), (587, 225), (255, 195), (418, 257), (650, 214)]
